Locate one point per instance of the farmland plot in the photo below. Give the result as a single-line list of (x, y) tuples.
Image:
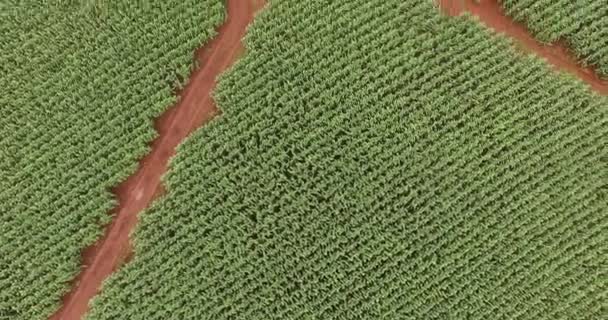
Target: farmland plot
[(377, 159), (582, 24), (81, 83)]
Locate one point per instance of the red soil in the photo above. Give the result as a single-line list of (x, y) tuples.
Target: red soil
[(491, 14), (137, 192)]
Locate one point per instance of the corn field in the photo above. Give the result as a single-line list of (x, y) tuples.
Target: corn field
[(379, 160), (582, 24), (80, 85)]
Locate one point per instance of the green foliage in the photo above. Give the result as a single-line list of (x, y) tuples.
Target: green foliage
[(583, 24), (377, 160), (80, 84)]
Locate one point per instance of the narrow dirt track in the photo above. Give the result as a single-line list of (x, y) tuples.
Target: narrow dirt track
[(491, 14), (137, 192)]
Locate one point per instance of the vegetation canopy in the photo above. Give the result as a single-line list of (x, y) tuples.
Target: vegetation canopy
[(80, 84), (379, 160), (582, 24)]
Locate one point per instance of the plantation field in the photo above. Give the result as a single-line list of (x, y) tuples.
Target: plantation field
[(81, 84), (582, 24), (377, 159)]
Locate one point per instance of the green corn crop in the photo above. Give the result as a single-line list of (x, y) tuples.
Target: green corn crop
[(80, 83), (379, 160), (582, 24)]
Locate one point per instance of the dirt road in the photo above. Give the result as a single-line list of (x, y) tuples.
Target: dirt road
[(491, 14), (136, 193)]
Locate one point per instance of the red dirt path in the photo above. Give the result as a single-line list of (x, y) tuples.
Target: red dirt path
[(137, 192), (491, 14)]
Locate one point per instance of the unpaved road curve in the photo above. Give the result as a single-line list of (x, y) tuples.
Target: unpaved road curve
[(491, 14), (137, 192)]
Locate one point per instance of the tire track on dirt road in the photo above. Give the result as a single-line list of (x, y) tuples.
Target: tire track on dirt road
[(194, 108), (558, 55)]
